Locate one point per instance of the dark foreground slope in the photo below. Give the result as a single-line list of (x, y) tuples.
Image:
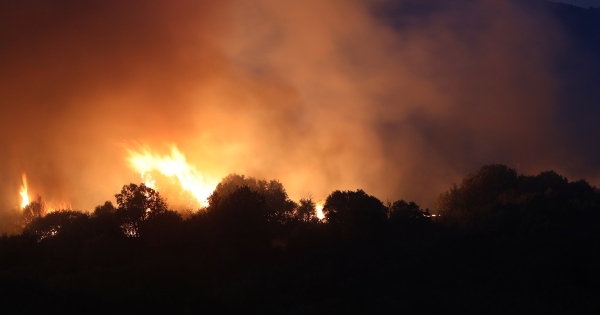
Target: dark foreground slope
[(504, 243)]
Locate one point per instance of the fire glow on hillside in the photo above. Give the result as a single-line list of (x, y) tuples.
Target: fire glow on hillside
[(174, 166), (26, 201)]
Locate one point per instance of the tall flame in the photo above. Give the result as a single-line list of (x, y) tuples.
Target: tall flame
[(174, 165), (319, 207), (23, 192)]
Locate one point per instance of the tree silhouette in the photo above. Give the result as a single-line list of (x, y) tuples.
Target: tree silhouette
[(161, 226), (140, 201), (53, 223), (242, 206), (35, 209), (306, 211), (406, 213), (477, 194), (240, 216), (279, 207), (354, 209), (136, 204), (106, 209)]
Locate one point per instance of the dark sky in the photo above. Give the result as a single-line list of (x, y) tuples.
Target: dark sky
[(321, 96), (583, 3)]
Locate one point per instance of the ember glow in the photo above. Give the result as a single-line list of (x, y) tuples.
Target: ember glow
[(23, 192), (174, 166)]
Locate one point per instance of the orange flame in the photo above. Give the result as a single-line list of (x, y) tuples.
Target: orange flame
[(319, 208), (23, 192), (25, 201), (174, 165)]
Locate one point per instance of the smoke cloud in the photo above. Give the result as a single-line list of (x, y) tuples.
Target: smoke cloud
[(395, 99)]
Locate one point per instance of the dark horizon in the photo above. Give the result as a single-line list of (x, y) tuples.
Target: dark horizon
[(500, 236)]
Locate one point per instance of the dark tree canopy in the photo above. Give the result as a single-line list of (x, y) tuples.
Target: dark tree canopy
[(496, 191), (35, 209), (52, 223), (242, 212), (106, 209), (306, 211), (405, 211), (354, 208), (241, 201), (140, 202), (477, 192), (136, 204), (279, 207)]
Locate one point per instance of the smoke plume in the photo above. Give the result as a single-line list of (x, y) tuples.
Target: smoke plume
[(397, 99)]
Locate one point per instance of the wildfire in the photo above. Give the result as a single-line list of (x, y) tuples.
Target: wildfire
[(173, 166), (23, 192), (148, 180), (320, 213)]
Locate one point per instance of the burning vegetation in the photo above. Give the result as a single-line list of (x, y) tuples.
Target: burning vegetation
[(24, 193), (175, 167)]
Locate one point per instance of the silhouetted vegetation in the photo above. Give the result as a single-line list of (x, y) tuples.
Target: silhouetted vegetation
[(35, 209), (500, 237), (277, 205)]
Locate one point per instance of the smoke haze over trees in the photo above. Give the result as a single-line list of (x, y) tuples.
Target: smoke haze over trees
[(398, 97)]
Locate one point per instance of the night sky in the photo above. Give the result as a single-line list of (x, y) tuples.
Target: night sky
[(319, 95), (583, 3)]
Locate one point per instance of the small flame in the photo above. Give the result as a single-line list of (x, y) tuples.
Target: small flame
[(23, 192), (174, 165), (319, 208)]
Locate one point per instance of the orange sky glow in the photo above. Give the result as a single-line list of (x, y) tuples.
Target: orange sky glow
[(320, 95)]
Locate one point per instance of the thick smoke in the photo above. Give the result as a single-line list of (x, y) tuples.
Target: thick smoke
[(321, 95)]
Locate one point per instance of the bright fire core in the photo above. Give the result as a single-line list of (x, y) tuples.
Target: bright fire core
[(23, 192), (319, 208), (174, 166)]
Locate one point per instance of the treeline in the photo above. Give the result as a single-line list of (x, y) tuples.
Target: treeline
[(502, 243)]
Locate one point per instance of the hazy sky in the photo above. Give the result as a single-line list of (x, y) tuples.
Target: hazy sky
[(320, 95)]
